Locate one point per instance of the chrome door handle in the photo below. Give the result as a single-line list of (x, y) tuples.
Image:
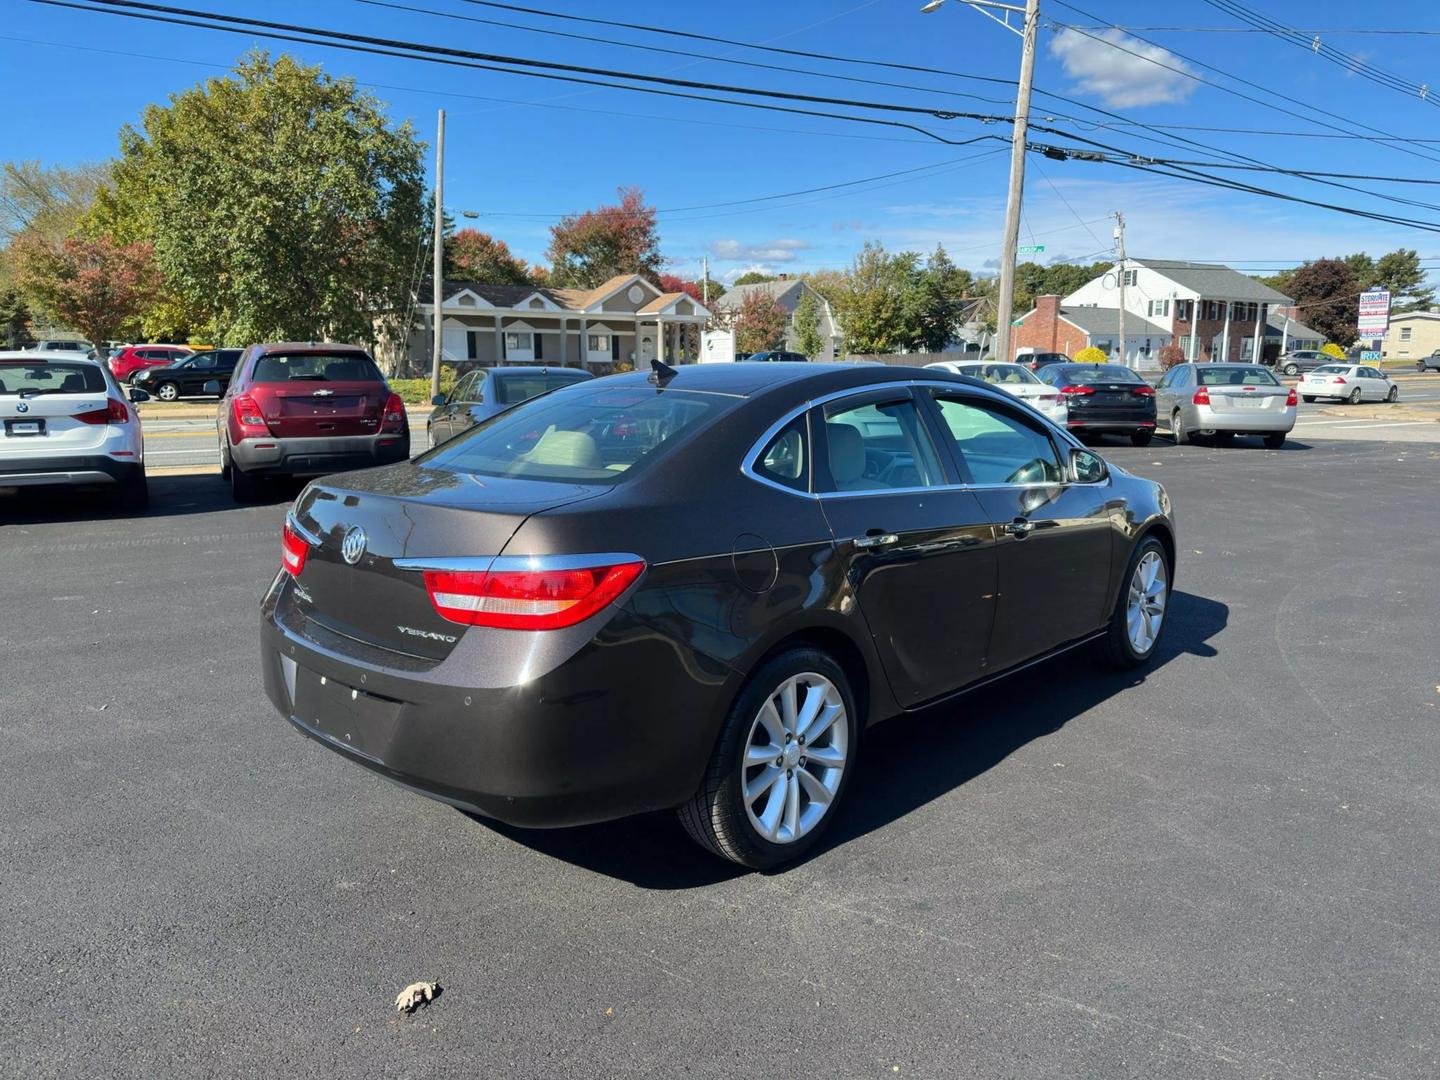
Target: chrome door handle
[(1019, 528), (880, 540)]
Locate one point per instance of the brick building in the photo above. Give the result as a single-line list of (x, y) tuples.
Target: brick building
[(1053, 326)]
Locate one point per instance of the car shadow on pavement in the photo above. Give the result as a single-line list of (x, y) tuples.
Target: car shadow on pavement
[(170, 496), (963, 739)]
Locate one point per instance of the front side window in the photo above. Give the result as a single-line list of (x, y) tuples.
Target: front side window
[(877, 446), (786, 458), (464, 388), (996, 446)]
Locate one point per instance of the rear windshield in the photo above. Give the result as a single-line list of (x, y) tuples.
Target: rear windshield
[(999, 374), (1332, 369), (583, 434), (510, 389), (315, 367), (1085, 374), (1246, 376), (50, 378)]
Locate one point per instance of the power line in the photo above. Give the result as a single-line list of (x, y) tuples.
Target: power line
[(1251, 131), (1251, 30), (1230, 90)]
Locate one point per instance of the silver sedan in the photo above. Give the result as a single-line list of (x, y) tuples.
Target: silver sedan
[(1223, 400)]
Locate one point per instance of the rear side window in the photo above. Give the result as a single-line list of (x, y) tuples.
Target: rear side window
[(512, 389), (56, 378), (315, 367), (786, 459), (1236, 377), (877, 446), (581, 435)]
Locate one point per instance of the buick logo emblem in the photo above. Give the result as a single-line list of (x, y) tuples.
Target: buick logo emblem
[(353, 546), (20, 406)]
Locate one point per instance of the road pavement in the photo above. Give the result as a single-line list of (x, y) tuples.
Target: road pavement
[(1220, 866)]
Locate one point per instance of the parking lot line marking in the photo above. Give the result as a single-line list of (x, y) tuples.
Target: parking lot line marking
[(202, 434), (1389, 423)]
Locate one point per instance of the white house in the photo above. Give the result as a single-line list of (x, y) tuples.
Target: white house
[(787, 291)]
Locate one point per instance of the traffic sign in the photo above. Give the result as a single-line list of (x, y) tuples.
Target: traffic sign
[(1030, 249)]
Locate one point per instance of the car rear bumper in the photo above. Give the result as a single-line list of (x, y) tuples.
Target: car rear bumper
[(582, 741), (1240, 421), (316, 457), (1084, 424), (76, 469)]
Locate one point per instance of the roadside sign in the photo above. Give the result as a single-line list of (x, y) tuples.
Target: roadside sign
[(1369, 355), (1374, 312), (1030, 249)]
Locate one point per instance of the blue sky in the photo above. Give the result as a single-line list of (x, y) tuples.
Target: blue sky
[(521, 151)]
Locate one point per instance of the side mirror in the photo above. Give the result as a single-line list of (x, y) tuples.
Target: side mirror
[(137, 395), (1087, 468), (438, 399), (212, 386)]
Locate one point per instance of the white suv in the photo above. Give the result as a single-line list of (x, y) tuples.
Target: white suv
[(64, 420)]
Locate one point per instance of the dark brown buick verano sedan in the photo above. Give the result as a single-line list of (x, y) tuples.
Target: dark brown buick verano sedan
[(696, 589)]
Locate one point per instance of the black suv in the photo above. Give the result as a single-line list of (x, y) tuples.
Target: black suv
[(190, 374)]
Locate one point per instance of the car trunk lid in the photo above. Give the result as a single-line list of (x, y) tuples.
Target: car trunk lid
[(407, 512), (306, 409), (1247, 398)]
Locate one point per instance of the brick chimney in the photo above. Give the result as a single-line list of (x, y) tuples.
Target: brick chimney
[(1040, 330)]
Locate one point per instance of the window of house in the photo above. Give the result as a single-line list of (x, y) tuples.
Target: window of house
[(1185, 344), (472, 344), (598, 343), (518, 341), (1159, 307), (1405, 333), (1131, 276)]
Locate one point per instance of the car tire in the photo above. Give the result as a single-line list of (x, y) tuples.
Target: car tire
[(243, 487), (1394, 395), (1119, 648), (721, 819), (167, 391), (1179, 430), (133, 492), (1420, 365), (1309, 399), (1274, 440), (1141, 438), (1292, 369), (1355, 396)]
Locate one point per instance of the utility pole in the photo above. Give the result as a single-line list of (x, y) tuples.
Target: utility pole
[(1006, 305), (705, 280), (437, 319), (1120, 254)]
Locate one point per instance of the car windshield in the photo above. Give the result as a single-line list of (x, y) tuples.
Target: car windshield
[(1332, 369), (316, 367), (1235, 376), (1000, 374), (1086, 374), (28, 378), (510, 389), (582, 434)]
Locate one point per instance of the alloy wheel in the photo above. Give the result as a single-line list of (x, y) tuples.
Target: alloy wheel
[(167, 392), (1149, 591), (795, 757)]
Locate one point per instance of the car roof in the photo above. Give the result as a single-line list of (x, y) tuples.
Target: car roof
[(49, 356), (300, 347), (748, 380), (531, 369)]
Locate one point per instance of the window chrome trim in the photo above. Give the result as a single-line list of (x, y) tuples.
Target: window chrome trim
[(512, 563), (971, 384)]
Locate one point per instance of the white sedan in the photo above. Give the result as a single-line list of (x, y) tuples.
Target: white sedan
[(1013, 379), (1347, 382)]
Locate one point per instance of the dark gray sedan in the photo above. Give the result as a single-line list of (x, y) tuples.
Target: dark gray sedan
[(486, 392), (695, 590)]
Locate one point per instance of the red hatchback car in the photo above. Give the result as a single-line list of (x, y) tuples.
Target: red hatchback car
[(306, 409), (135, 358)]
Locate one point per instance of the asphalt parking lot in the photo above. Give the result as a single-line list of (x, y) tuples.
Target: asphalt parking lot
[(1222, 865)]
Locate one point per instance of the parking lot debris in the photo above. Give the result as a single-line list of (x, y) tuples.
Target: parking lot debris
[(415, 995)]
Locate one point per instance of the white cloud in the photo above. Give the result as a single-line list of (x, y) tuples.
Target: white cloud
[(785, 249), (1119, 78)]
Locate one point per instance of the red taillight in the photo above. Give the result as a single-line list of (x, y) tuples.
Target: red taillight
[(114, 412), (293, 549), (1292, 399), (1338, 380), (1081, 390), (1144, 391), (528, 599), (1202, 396), (248, 414), (394, 414)]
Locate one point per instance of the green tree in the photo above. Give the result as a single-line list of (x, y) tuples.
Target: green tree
[(806, 324), (14, 316), (1399, 271), (472, 255), (588, 249), (282, 204), (46, 202), (754, 277), (936, 301), (1362, 269), (871, 302)]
